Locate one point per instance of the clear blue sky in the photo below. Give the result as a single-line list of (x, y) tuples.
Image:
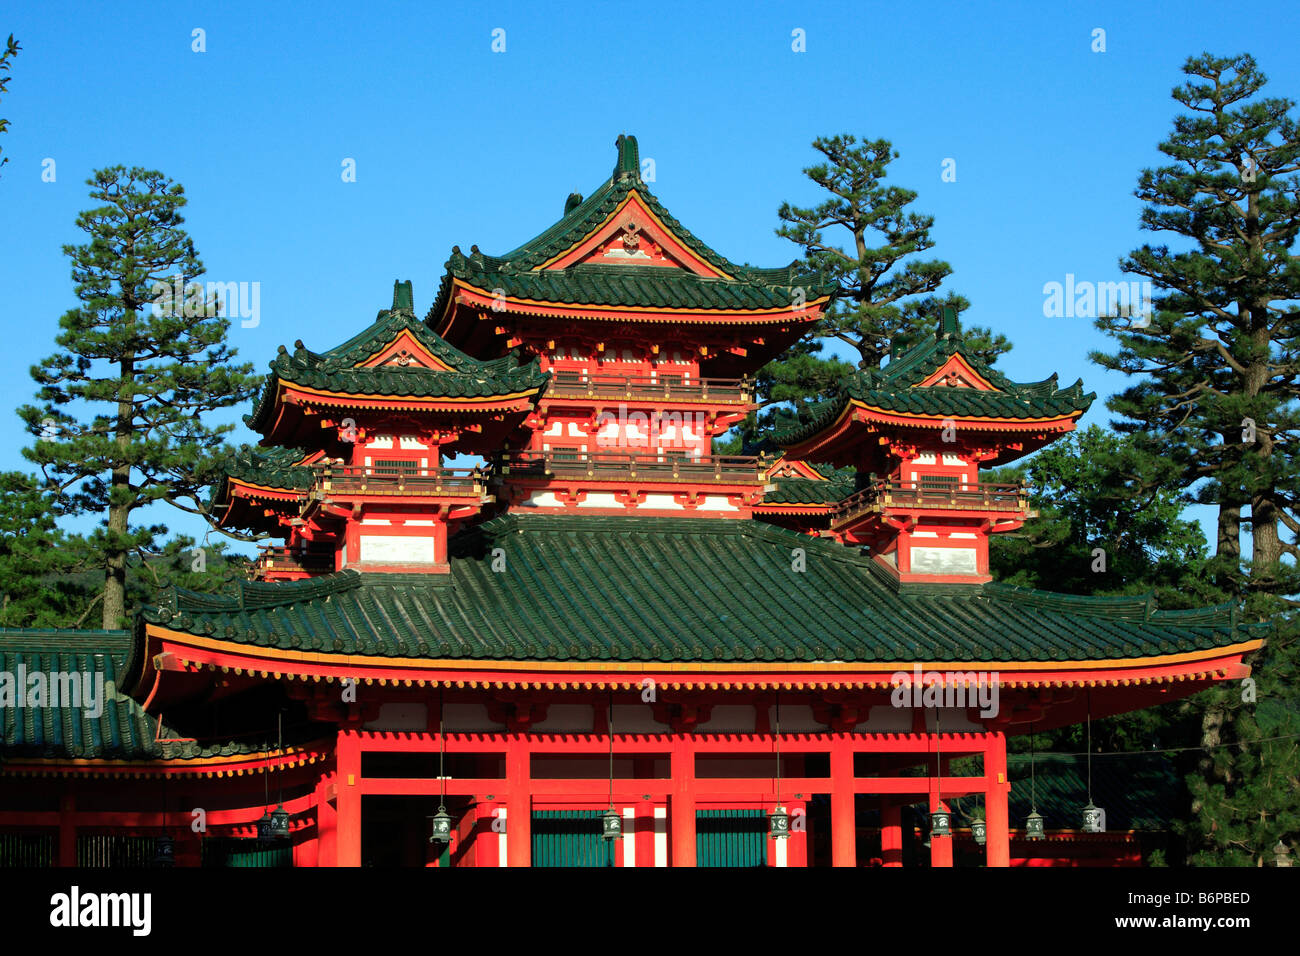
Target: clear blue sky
[(456, 144)]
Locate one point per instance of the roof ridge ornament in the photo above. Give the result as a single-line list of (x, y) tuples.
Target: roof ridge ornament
[(629, 158), (948, 323), (403, 296)]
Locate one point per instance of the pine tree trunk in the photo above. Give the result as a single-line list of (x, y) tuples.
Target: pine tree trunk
[(119, 508), (1229, 540)]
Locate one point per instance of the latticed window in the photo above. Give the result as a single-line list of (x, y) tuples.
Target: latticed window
[(566, 453), (940, 484), (395, 467)]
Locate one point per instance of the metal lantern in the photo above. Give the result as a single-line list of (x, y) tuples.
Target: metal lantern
[(279, 826), (778, 824), (164, 851), (939, 821), (611, 825), (1034, 825), (264, 829), (1092, 817), (979, 830), (441, 826)]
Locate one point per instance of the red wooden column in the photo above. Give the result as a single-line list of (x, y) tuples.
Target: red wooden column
[(487, 837), (844, 826), (327, 848), (940, 847), (681, 812), (67, 826), (519, 802), (891, 833), (348, 781), (996, 789)]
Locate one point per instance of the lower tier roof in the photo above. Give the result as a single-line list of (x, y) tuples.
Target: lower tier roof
[(592, 589)]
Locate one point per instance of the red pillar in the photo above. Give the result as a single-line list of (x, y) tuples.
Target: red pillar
[(348, 824), (996, 790), (891, 833), (798, 833), (327, 848), (844, 827), (519, 802), (681, 812), (487, 837), (67, 827)]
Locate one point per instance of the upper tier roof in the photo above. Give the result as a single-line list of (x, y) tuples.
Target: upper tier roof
[(344, 369), (900, 389), (596, 589), (713, 283)]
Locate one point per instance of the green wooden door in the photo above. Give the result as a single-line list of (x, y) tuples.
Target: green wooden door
[(730, 838), (570, 838), (222, 851)]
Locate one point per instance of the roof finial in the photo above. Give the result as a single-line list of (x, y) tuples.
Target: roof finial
[(629, 158), (403, 296), (572, 203), (948, 324)]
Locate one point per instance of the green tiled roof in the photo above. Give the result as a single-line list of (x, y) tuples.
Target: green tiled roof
[(334, 370), (122, 731), (633, 589), (809, 491), (269, 467), (893, 388), (624, 286)]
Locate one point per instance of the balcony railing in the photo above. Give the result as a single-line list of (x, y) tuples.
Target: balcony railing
[(598, 466), (370, 480), (729, 391), (884, 495)]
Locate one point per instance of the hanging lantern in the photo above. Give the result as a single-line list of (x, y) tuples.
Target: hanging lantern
[(611, 825), (778, 824), (264, 829), (1092, 817), (279, 825), (441, 826), (939, 821), (164, 851), (979, 830), (1034, 825)]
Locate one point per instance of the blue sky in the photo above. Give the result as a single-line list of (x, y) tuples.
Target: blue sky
[(457, 144)]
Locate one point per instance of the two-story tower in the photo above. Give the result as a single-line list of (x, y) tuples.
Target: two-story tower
[(917, 432), (648, 335)]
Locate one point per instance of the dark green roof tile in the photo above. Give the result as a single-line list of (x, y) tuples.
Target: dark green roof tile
[(623, 588)]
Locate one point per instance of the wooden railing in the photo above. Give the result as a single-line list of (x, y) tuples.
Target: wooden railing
[(358, 479), (742, 470), (883, 495), (729, 391)]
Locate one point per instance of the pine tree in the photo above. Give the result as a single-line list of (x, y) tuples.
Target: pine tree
[(11, 50), (38, 562), (1215, 412), (1104, 525), (886, 296), (1219, 362), (140, 368)]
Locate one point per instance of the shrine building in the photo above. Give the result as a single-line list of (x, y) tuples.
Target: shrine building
[(519, 613)]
